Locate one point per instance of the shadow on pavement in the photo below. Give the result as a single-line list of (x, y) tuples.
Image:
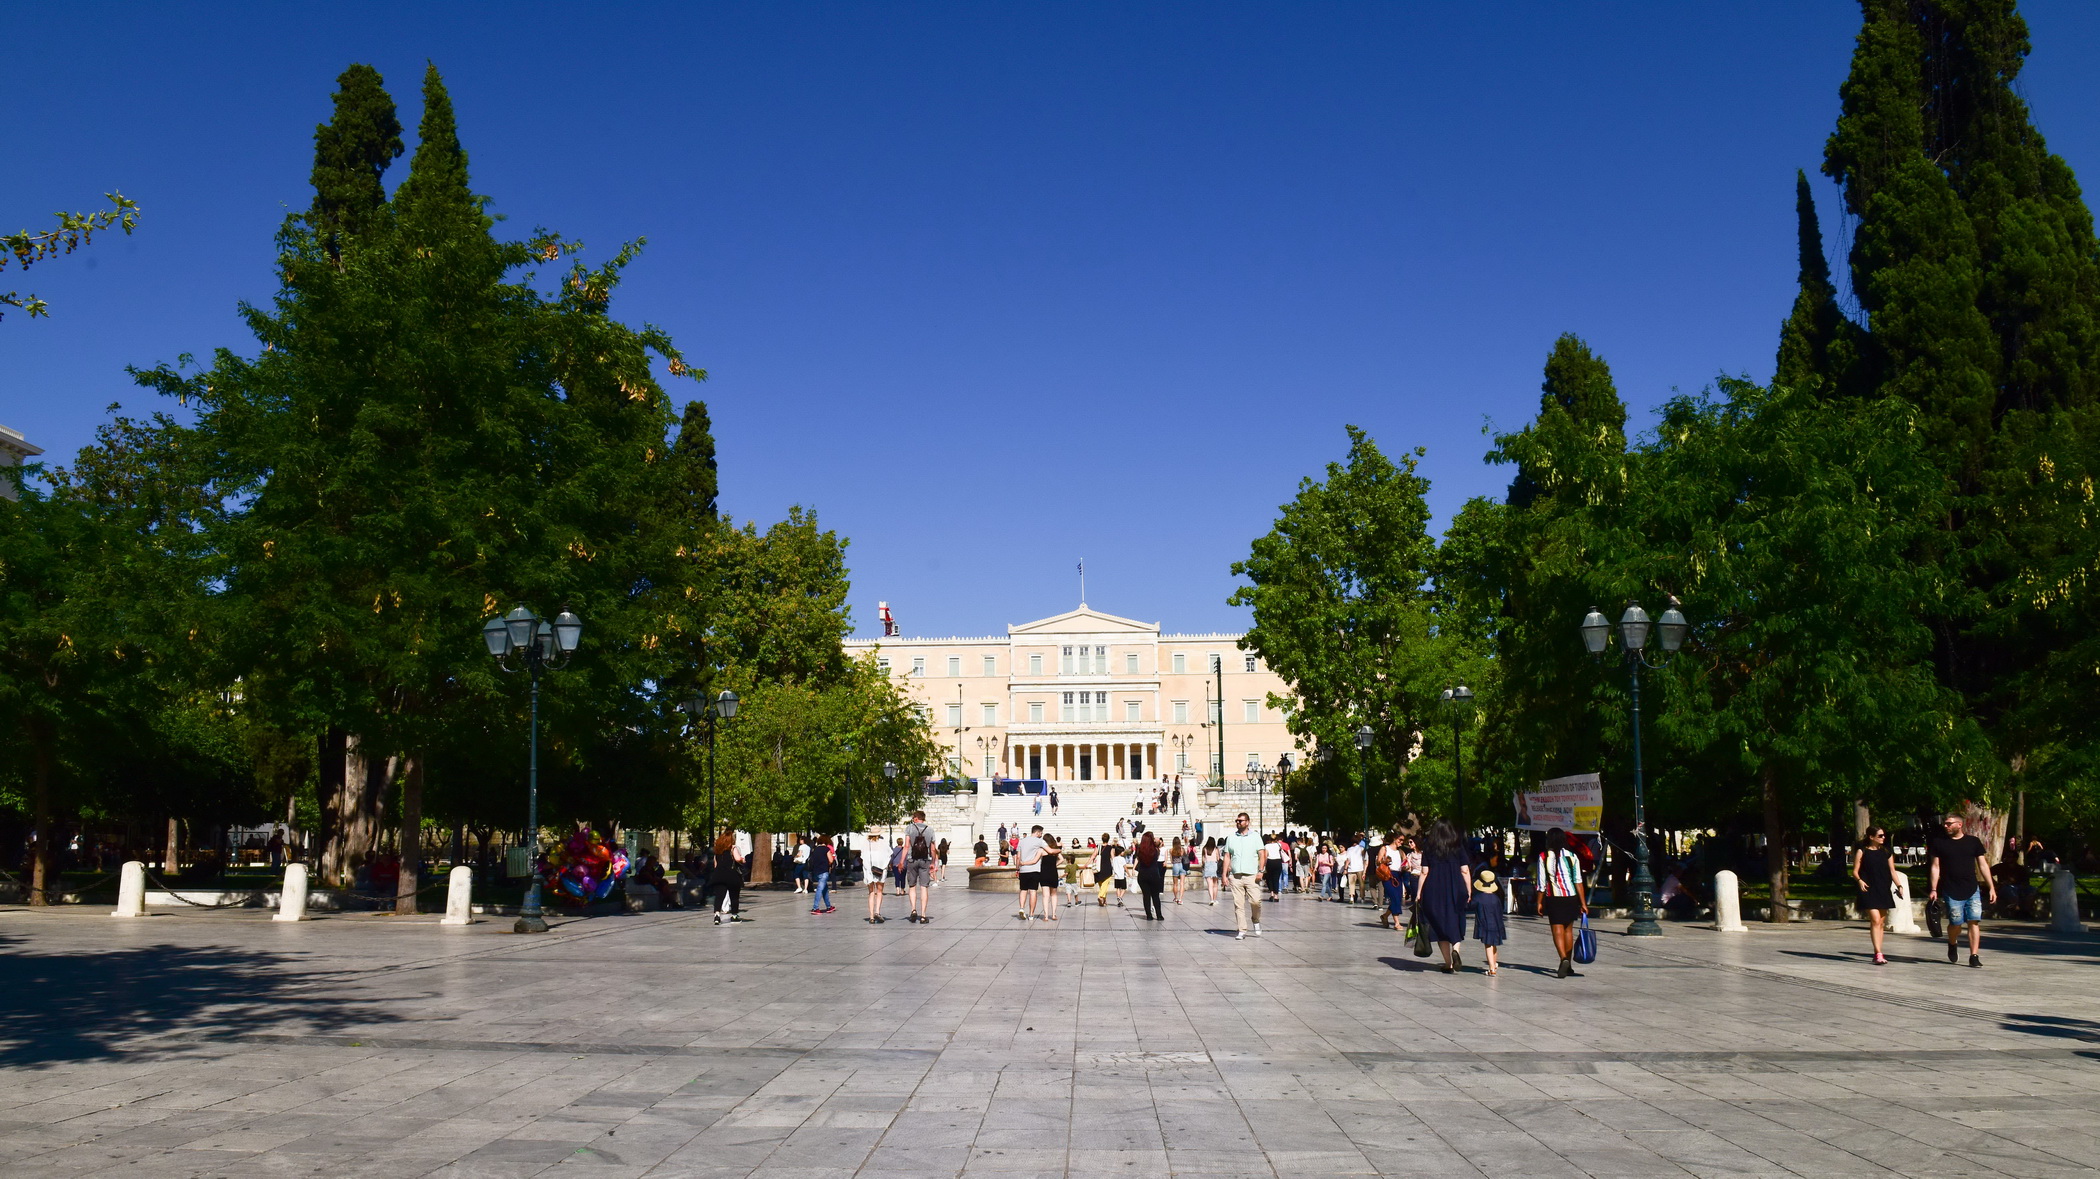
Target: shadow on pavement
[(87, 1005), (2059, 1026)]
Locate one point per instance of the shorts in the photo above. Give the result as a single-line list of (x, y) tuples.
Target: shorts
[(918, 874), (1962, 910), (1179, 869), (1563, 910)]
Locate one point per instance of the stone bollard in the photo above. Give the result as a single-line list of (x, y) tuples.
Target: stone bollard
[(291, 903), (1902, 919), (2063, 903), (1728, 903), (459, 897), (131, 891)]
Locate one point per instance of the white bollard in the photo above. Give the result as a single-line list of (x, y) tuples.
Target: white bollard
[(1728, 903), (2063, 903), (459, 897), (1902, 919), (131, 890), (291, 904)]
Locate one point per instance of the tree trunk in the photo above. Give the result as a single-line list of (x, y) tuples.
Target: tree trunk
[(40, 874), (360, 810), (1775, 847), (411, 836), (328, 790), (1862, 818), (762, 858)]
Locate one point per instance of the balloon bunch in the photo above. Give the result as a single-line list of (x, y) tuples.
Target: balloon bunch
[(585, 868)]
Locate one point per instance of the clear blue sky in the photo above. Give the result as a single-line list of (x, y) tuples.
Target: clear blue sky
[(997, 286)]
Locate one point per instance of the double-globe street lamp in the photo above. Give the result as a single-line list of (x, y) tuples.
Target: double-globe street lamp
[(1456, 701), (1634, 627), (721, 708), (539, 645)]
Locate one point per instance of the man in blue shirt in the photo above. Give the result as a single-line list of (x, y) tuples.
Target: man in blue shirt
[(1243, 873)]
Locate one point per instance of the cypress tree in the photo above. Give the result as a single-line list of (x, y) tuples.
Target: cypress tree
[(695, 454), (1577, 394), (1816, 347), (351, 153), (1976, 265), (436, 200)]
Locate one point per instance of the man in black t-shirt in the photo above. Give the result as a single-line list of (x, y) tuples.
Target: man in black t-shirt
[(1959, 876)]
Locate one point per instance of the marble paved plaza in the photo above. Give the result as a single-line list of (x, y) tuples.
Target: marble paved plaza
[(224, 1044)]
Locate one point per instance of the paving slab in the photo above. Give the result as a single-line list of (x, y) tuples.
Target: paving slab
[(660, 1045)]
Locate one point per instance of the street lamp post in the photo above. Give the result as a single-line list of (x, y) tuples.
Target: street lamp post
[(1325, 756), (1456, 699), (721, 708), (1634, 626), (539, 645), (1283, 800), (1363, 774), (889, 772)]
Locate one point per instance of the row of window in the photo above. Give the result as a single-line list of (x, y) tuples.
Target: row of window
[(1077, 660)]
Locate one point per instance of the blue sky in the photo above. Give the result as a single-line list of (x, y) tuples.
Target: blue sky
[(997, 287)]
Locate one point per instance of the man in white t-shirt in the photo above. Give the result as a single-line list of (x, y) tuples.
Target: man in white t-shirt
[(1244, 859), (1029, 861), (1353, 870)]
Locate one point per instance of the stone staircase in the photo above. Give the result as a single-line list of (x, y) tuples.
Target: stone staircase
[(1087, 809)]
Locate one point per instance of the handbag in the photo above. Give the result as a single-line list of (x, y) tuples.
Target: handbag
[(1585, 942), (1418, 935)]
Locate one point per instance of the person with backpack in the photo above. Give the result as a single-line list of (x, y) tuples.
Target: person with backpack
[(918, 872), (1562, 899), (820, 875)]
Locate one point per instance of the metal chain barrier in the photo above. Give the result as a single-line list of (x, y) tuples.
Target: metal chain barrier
[(29, 889)]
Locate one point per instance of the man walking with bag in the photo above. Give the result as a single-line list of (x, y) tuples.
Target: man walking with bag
[(1959, 877), (1244, 863)]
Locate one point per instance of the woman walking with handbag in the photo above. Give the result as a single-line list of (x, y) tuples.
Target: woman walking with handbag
[(1561, 896), (1445, 890), (1873, 869), (1178, 866)]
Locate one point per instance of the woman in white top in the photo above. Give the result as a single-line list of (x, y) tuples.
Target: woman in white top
[(874, 861)]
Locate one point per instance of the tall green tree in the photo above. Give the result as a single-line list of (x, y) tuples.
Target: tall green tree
[(424, 439), (1818, 346), (1976, 266), (1344, 612), (1786, 522)]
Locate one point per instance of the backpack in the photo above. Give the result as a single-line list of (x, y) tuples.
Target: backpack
[(920, 848)]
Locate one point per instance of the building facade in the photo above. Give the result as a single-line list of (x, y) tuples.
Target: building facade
[(1090, 700), (14, 451)]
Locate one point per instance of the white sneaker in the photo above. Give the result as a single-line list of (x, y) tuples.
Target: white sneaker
[(1240, 936), (1257, 929)]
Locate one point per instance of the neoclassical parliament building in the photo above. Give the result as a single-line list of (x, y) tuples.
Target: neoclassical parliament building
[(1087, 700)]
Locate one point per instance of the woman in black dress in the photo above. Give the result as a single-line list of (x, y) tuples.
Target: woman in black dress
[(1445, 890), (1873, 869), (1152, 876)]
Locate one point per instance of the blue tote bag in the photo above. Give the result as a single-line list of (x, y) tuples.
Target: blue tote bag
[(1585, 942)]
